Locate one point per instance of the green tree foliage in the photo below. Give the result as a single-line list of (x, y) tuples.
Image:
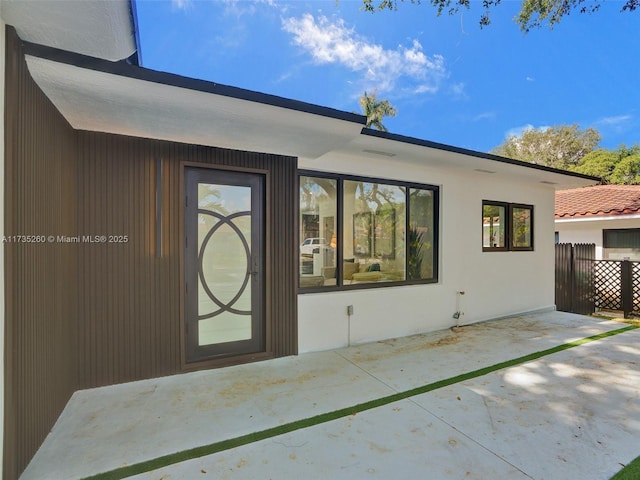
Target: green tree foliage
[(415, 242), (536, 13), (559, 147), (599, 163), (627, 172), (375, 110), (533, 13), (621, 166)]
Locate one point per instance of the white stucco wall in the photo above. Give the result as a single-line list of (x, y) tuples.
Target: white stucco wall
[(589, 230), (495, 283), (2, 274)]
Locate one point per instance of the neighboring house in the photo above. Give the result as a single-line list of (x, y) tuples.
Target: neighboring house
[(153, 222), (607, 215)]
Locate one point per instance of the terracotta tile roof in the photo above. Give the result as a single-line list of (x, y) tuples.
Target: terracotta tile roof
[(599, 200)]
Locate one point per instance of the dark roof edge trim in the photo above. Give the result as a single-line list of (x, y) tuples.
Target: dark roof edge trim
[(136, 58), (125, 69), (473, 153)]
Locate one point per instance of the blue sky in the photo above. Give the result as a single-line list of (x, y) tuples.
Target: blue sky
[(450, 81)]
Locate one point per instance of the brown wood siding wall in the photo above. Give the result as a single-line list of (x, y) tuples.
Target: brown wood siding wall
[(41, 287), (129, 318), (130, 306)]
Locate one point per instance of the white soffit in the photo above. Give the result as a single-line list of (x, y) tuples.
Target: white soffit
[(98, 101), (444, 157), (99, 28)]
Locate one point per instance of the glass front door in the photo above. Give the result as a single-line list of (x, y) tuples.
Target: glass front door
[(224, 247)]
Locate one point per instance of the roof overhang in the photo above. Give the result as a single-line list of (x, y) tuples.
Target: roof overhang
[(115, 97), (100, 28), (440, 156)]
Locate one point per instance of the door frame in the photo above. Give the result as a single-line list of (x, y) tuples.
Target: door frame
[(268, 321)]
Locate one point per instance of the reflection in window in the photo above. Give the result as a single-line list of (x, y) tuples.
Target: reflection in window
[(379, 232), (224, 243), (318, 232), (420, 237), (374, 224), (493, 226), (506, 226), (621, 244), (522, 227)]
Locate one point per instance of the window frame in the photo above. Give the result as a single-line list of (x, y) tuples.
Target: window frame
[(508, 232), (522, 206), (607, 241), (609, 250), (340, 179), (507, 226)]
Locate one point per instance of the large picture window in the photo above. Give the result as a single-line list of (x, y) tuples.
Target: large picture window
[(506, 226), (360, 232), (318, 231)]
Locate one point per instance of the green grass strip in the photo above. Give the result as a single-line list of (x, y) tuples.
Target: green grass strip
[(630, 472), (223, 445)]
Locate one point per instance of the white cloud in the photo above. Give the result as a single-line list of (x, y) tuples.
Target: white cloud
[(484, 116), (616, 124), (332, 42), (458, 91), (236, 32), (530, 79), (181, 4), (613, 121), (518, 131), (239, 8)]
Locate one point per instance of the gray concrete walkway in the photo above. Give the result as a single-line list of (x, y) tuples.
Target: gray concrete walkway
[(570, 414)]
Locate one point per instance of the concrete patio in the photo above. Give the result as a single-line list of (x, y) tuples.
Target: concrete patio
[(573, 413)]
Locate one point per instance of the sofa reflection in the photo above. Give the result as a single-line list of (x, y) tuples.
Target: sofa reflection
[(354, 271)]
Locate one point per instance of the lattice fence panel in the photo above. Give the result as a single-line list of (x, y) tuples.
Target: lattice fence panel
[(635, 275), (608, 288)]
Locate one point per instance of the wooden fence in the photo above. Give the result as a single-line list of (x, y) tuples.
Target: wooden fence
[(575, 278), (584, 284)]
